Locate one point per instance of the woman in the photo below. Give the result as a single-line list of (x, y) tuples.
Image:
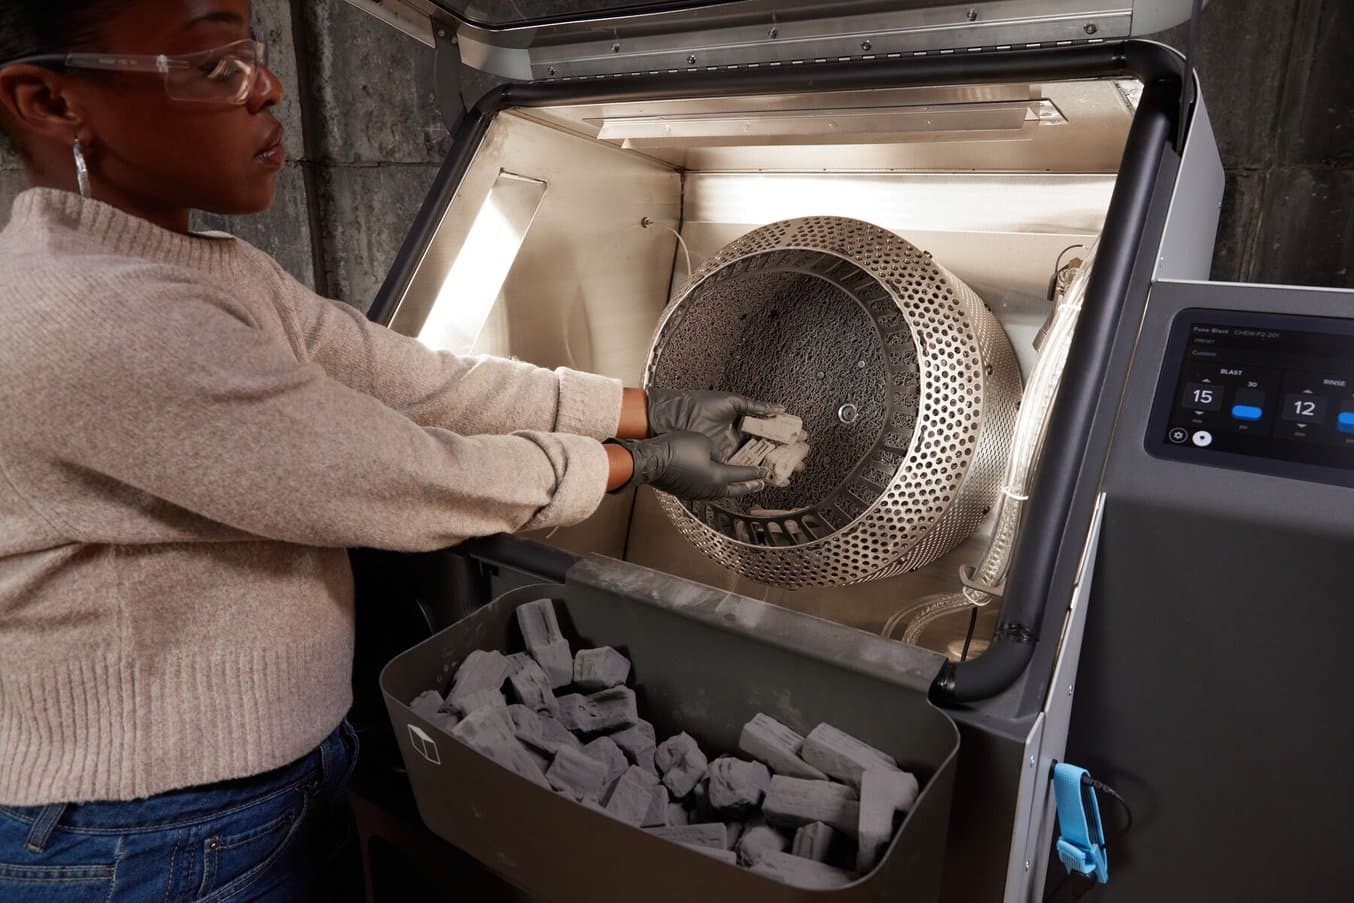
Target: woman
[(191, 440)]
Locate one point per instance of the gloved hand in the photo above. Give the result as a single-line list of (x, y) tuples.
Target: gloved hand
[(682, 464), (713, 414)]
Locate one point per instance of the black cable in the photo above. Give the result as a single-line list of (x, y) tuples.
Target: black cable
[(1123, 804), (968, 637)]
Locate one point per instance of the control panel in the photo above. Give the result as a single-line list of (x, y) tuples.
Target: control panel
[(1270, 393)]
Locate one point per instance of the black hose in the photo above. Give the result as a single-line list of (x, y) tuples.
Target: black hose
[(1047, 522)]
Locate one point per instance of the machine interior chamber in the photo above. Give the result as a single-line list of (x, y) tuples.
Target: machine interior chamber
[(561, 248)]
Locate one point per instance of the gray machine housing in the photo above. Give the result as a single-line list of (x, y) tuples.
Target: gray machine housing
[(1109, 522)]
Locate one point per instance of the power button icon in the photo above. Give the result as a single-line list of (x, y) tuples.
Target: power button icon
[(1179, 435)]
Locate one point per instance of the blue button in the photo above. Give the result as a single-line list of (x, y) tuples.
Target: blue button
[(1246, 412), (1345, 422)]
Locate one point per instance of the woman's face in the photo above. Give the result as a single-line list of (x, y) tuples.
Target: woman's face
[(153, 154)]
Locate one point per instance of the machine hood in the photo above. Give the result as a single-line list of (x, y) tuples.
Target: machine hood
[(548, 39)]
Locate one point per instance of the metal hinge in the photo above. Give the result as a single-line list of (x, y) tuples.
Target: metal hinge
[(781, 64)]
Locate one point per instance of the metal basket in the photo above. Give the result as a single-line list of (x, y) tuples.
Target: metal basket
[(906, 382)]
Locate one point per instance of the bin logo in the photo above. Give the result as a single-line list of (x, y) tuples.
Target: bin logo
[(423, 744)]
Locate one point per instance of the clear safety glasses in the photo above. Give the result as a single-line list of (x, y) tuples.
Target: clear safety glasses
[(224, 75)]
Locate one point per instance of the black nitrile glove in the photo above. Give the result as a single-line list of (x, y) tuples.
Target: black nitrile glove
[(682, 464), (713, 414)]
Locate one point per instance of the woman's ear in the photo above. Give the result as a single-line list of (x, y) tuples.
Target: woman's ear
[(36, 105)]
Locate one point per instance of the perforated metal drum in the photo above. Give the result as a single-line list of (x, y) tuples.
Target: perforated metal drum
[(906, 382)]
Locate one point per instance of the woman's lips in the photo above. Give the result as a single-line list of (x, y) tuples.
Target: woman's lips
[(274, 155)]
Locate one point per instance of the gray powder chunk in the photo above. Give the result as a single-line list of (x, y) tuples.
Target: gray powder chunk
[(447, 721), (778, 746), (677, 814), (602, 711), (473, 702), (632, 796), (545, 642), (638, 743), (636, 738), (481, 672), (813, 840), (801, 872), (489, 731), (532, 688), (882, 793), (645, 760), (541, 759), (760, 839), (713, 835), (657, 816), (782, 428), (427, 704), (604, 750), (519, 660), (577, 775), (540, 731), (737, 786), (840, 755), (681, 763), (791, 802), (736, 829), (598, 669)]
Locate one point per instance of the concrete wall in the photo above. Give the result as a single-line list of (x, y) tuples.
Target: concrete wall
[(365, 139)]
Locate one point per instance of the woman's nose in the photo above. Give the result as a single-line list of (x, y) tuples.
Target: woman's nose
[(267, 91)]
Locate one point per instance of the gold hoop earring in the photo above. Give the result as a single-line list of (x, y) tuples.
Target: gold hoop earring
[(81, 170)]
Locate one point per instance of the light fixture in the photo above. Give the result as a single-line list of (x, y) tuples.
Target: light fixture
[(475, 278)]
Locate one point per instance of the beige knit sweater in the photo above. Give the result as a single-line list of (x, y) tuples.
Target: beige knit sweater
[(189, 439)]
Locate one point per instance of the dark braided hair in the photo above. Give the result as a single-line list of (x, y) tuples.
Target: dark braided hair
[(29, 27)]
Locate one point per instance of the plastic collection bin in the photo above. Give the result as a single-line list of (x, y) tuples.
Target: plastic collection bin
[(704, 661)]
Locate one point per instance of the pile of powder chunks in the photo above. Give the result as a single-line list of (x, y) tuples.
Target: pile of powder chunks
[(815, 812)]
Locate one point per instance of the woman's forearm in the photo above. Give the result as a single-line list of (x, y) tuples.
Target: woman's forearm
[(634, 423)]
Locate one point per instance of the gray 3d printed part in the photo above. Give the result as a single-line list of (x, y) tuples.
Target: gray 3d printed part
[(613, 708), (736, 787), (791, 802), (532, 687), (882, 793), (767, 739), (681, 763), (479, 673), (577, 775), (489, 732), (599, 669), (632, 796), (839, 755), (541, 633), (813, 840)]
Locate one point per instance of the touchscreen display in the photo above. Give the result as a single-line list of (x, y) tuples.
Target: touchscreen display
[(1272, 387)]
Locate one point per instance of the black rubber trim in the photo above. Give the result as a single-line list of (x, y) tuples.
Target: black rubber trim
[(1152, 134)]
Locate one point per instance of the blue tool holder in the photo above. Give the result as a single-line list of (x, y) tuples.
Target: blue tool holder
[(1081, 836)]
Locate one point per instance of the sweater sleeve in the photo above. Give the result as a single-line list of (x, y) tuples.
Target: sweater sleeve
[(466, 394), (195, 405)]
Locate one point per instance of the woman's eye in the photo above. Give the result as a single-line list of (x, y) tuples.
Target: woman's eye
[(223, 69)]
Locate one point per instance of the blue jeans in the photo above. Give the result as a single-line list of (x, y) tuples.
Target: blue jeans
[(275, 836)]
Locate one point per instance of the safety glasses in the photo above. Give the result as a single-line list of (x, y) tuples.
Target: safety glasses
[(224, 75)]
